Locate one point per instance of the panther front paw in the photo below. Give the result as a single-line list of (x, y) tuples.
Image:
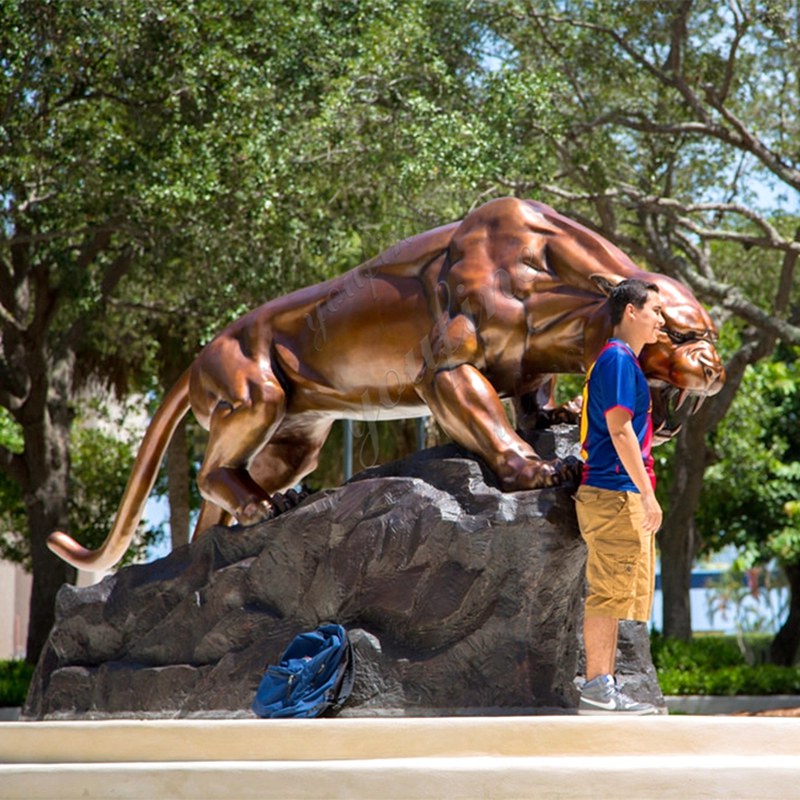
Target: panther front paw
[(255, 511), (540, 474)]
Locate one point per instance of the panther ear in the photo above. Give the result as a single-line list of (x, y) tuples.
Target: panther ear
[(605, 283)]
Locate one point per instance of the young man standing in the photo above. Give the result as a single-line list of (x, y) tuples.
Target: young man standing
[(616, 503)]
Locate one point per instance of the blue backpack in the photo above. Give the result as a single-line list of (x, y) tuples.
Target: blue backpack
[(315, 675)]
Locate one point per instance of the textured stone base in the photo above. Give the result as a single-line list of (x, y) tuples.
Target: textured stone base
[(456, 595)]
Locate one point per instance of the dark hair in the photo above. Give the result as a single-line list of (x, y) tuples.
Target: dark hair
[(631, 291)]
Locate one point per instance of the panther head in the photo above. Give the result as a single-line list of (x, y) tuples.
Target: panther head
[(683, 365)]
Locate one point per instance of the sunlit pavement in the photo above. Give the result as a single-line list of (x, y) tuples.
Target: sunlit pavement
[(392, 758)]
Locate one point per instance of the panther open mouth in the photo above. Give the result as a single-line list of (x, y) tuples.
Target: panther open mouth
[(671, 408), (683, 369)]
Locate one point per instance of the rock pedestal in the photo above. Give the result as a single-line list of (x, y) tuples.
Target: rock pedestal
[(459, 598)]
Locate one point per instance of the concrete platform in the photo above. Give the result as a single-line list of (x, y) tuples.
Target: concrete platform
[(393, 758)]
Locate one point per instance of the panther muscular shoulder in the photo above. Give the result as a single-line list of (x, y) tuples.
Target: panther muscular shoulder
[(447, 322)]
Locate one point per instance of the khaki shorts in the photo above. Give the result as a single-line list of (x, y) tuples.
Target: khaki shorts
[(621, 559)]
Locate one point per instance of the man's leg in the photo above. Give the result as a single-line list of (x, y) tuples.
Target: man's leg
[(600, 693), (613, 551), (600, 644)]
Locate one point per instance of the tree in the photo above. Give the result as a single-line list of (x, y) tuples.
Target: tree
[(785, 648), (754, 479), (679, 142), (167, 165), (78, 143), (108, 146)]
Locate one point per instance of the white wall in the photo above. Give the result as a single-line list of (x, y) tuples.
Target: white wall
[(15, 593), (15, 598)]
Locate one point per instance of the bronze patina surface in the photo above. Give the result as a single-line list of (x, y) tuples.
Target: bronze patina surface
[(447, 322)]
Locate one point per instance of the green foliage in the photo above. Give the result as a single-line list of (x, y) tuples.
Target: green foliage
[(10, 432), (13, 523), (748, 491), (786, 543), (15, 678), (239, 165), (715, 665), (102, 451), (568, 387), (102, 454), (760, 680), (701, 653)]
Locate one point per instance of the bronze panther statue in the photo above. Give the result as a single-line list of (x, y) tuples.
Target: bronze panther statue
[(447, 322)]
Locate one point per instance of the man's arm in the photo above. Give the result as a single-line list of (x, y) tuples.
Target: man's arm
[(626, 444)]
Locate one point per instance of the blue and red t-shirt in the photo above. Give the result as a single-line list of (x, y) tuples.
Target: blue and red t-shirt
[(614, 380)]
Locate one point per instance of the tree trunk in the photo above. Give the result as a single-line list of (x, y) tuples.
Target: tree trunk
[(784, 647), (178, 486), (46, 496), (49, 571), (677, 540)]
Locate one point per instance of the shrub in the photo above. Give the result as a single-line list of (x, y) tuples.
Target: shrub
[(15, 677), (717, 665)]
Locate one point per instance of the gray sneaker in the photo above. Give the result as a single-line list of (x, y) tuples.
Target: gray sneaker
[(601, 695)]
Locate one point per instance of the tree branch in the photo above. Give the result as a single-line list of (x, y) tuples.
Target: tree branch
[(701, 279), (756, 345), (566, 68), (748, 141), (783, 293), (740, 26), (111, 278), (7, 318), (117, 270), (730, 297), (772, 240), (97, 241), (698, 256), (737, 134)]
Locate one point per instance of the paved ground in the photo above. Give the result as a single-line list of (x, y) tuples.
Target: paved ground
[(457, 758)]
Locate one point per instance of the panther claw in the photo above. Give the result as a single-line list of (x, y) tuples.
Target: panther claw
[(255, 511), (285, 501)]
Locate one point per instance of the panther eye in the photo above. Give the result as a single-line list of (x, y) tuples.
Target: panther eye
[(679, 338)]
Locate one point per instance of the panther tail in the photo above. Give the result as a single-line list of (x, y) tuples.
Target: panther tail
[(143, 476)]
